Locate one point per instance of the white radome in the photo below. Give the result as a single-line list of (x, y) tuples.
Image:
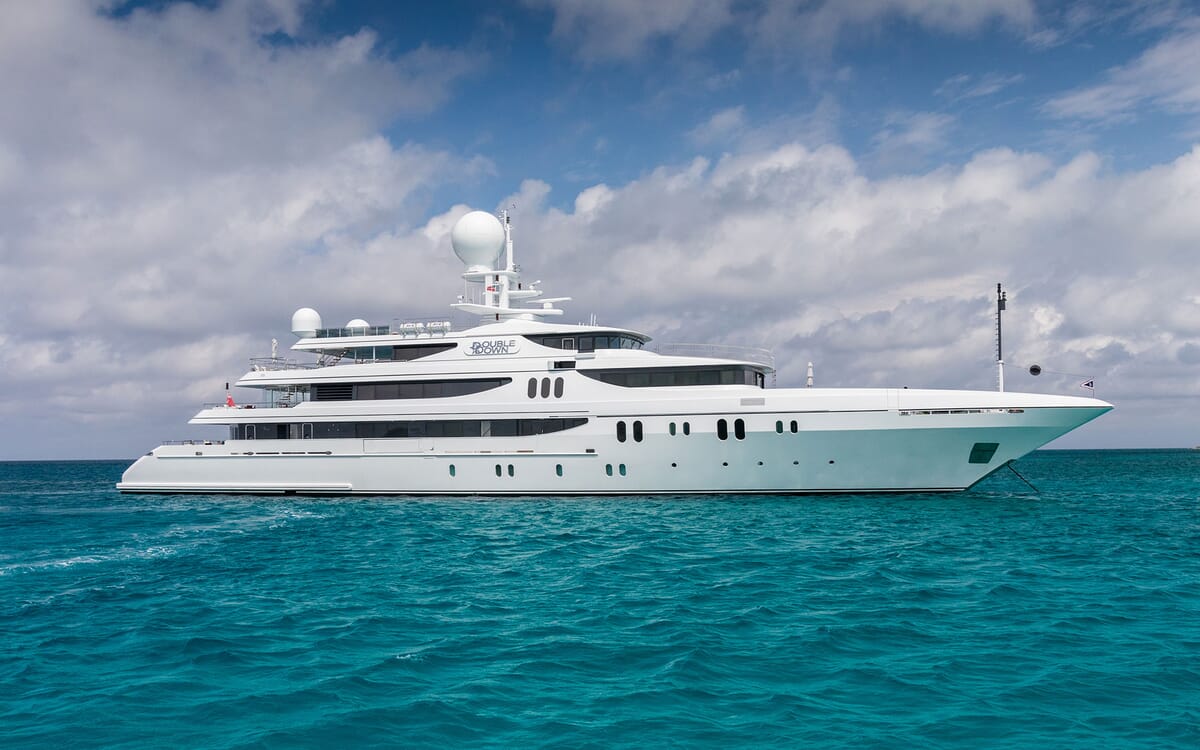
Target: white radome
[(358, 323), (477, 239), (306, 322)]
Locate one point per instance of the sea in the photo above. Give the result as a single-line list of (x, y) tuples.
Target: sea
[(1066, 616)]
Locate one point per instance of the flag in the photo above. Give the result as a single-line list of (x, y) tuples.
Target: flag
[(1091, 385)]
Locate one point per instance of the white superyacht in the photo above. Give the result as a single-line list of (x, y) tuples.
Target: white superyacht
[(523, 405)]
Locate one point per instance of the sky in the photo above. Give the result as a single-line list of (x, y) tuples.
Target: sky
[(843, 183)]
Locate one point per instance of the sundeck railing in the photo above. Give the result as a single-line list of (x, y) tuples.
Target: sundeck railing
[(271, 364), (260, 405), (193, 442), (720, 351)]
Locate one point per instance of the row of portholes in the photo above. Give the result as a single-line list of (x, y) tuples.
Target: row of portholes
[(637, 432), (558, 470), (608, 468), (779, 426), (739, 429), (545, 389)]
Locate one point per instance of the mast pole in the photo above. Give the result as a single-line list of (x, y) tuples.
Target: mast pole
[(508, 258), (1001, 303)]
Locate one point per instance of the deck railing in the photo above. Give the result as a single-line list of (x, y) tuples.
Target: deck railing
[(271, 364)]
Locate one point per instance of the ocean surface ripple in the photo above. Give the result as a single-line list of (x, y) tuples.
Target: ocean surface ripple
[(993, 618)]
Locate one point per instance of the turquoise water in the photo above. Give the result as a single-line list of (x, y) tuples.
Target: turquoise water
[(993, 618)]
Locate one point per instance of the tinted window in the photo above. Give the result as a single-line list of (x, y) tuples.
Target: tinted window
[(722, 429), (558, 387), (620, 432), (637, 432), (532, 387), (739, 429), (545, 387)]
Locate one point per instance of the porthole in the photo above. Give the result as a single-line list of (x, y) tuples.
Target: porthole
[(532, 387), (795, 463), (510, 470), (760, 463), (794, 426), (499, 470), (673, 465), (739, 429), (451, 469), (687, 428), (558, 469), (637, 431), (831, 460), (558, 387), (722, 429), (620, 432), (545, 387), (724, 463), (608, 469), (671, 429), (621, 469), (779, 426)]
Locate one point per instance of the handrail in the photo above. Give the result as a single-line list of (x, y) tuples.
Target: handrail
[(259, 405), (193, 442), (271, 364), (753, 354)]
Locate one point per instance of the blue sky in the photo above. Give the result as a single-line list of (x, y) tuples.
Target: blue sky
[(841, 182)]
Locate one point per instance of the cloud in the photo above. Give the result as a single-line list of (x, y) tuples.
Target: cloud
[(968, 86), (171, 182), (908, 137), (721, 126), (1166, 76), (623, 30), (627, 30)]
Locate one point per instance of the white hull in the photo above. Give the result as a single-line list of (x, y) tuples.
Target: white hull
[(889, 450)]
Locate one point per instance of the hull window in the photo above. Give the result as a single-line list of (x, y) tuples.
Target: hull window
[(794, 426), (532, 388), (981, 453), (637, 432), (558, 469), (671, 429), (620, 432), (739, 429), (545, 387), (558, 387), (779, 426), (722, 429), (687, 428)]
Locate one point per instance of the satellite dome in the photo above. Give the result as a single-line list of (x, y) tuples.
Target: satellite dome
[(358, 323), (306, 322), (477, 238)]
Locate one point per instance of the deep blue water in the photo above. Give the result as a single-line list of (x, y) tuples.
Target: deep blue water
[(992, 618)]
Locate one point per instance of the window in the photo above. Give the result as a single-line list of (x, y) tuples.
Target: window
[(671, 429), (687, 428), (558, 387), (404, 389), (722, 429), (620, 432), (409, 353), (981, 453), (428, 428), (451, 469), (608, 469), (510, 470), (779, 426), (739, 429), (545, 387), (678, 376), (795, 427), (591, 342), (499, 471), (621, 469), (558, 469), (532, 387), (637, 432), (306, 431)]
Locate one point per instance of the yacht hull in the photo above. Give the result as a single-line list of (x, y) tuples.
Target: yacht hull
[(889, 450)]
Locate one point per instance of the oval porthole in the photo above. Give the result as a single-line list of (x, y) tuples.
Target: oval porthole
[(451, 469)]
